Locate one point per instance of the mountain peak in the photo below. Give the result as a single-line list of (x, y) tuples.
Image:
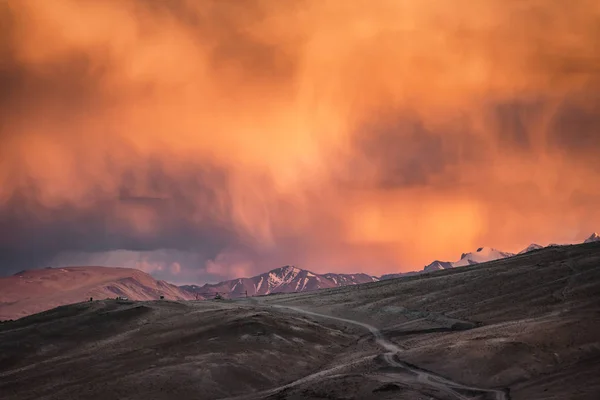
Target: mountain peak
[(437, 265), (483, 254), (284, 279), (482, 250), (531, 247), (286, 270), (486, 249), (593, 238)]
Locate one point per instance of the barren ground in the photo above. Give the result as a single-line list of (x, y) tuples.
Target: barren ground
[(522, 328)]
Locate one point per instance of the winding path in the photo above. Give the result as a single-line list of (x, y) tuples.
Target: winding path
[(424, 377)]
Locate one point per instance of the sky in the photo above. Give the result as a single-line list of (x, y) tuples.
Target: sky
[(206, 140)]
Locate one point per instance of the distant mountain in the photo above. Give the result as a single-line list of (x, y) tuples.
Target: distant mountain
[(531, 247), (280, 280), (437, 265), (290, 279), (593, 238), (398, 275), (483, 254), (33, 291)]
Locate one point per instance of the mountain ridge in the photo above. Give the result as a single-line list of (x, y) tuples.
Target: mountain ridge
[(33, 291), (286, 279)]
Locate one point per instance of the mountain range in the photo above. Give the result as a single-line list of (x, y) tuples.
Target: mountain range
[(291, 279), (33, 291), (482, 255), (280, 280)]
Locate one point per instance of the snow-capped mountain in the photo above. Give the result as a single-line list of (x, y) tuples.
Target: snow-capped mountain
[(291, 279), (531, 247), (281, 280), (483, 254)]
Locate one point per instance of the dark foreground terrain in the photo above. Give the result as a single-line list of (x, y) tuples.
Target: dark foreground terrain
[(526, 327)]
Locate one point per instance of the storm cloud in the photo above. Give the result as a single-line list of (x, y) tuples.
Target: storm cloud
[(202, 140)]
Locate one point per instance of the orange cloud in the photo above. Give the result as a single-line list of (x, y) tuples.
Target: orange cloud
[(336, 135)]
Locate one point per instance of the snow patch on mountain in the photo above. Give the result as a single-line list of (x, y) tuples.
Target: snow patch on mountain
[(282, 280), (483, 254), (593, 238)]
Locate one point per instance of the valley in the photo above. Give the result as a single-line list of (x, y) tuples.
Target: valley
[(524, 327)]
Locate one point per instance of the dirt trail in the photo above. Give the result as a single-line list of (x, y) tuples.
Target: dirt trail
[(423, 377)]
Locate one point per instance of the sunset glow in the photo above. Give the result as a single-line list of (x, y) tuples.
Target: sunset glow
[(220, 138)]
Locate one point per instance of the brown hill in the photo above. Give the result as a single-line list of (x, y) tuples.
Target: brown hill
[(32, 291)]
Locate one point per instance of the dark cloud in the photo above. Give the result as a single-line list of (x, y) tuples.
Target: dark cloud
[(240, 47), (65, 84), (33, 232), (575, 127), (403, 152), (516, 120)]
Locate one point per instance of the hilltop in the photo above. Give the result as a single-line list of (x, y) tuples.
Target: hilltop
[(32, 291)]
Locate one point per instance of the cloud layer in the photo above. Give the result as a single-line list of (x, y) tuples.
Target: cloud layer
[(201, 140)]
